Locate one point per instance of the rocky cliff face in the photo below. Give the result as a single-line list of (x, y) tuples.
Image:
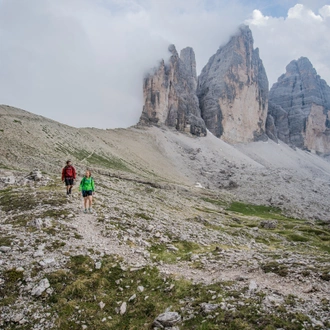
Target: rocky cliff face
[(187, 55), (170, 94), (299, 107), (233, 91)]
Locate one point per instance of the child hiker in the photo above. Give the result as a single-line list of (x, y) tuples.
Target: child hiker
[(87, 188)]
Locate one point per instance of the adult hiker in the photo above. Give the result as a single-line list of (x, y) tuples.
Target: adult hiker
[(68, 176), (87, 189)]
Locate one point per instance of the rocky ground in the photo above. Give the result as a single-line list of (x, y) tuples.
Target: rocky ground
[(187, 232), (154, 256), (264, 173)]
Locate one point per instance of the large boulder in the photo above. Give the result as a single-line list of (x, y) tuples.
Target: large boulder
[(233, 91), (167, 320)]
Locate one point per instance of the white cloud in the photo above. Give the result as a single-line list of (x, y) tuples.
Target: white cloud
[(258, 18), (302, 33), (325, 11), (299, 11), (82, 62)]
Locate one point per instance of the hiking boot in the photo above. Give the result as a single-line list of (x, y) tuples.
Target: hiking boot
[(85, 211), (90, 210), (70, 191)]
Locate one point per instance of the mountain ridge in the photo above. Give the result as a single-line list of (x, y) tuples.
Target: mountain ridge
[(234, 101), (258, 172)]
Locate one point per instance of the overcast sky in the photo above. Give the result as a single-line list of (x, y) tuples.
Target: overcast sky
[(82, 62)]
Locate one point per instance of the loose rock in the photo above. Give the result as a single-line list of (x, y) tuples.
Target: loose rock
[(167, 319), (40, 287)]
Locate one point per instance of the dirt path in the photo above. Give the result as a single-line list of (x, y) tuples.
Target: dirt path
[(267, 282), (93, 238)]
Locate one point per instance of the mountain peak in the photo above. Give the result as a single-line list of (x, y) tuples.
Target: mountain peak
[(170, 95), (299, 104), (303, 64), (233, 91)]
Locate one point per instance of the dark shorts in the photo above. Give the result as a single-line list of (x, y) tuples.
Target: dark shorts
[(86, 193), (68, 181)]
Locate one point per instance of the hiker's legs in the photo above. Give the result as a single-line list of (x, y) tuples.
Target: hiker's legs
[(68, 183), (85, 202), (90, 199)]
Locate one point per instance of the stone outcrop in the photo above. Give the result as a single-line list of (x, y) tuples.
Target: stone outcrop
[(187, 55), (170, 95), (233, 91), (299, 108)]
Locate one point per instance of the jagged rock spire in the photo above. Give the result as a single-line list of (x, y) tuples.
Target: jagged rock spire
[(233, 91), (170, 94), (299, 106)]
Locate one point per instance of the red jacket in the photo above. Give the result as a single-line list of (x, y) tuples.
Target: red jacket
[(68, 172)]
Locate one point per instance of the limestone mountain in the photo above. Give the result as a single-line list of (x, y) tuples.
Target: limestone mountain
[(299, 108), (233, 91), (170, 94), (230, 97), (187, 55)]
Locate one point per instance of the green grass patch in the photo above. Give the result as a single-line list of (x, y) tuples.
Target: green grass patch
[(6, 240), (61, 148), (184, 250), (9, 289), (80, 154), (207, 210), (79, 290), (214, 201), (5, 167), (321, 234), (78, 236), (26, 199), (13, 276), (261, 211), (297, 238), (142, 216), (11, 200), (275, 267), (57, 244), (54, 213), (108, 162), (21, 220), (21, 203), (325, 276)]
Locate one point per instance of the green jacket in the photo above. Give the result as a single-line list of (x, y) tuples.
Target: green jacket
[(87, 184)]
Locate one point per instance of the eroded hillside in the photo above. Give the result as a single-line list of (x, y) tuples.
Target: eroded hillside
[(259, 173), (224, 237)]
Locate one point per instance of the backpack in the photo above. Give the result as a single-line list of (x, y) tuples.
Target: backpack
[(84, 179), (68, 172)]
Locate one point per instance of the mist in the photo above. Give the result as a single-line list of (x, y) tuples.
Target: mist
[(82, 62)]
